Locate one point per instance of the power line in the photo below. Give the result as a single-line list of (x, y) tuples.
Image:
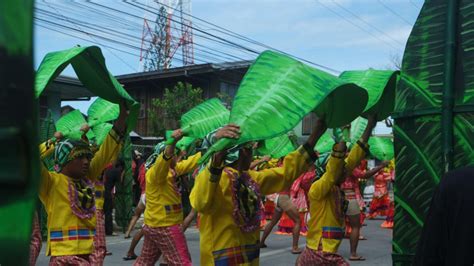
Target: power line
[(195, 34), (395, 13), (57, 12), (365, 22), (242, 37), (356, 25), (111, 32)]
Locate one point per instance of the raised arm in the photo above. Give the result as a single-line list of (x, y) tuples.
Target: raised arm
[(361, 149), (334, 171), (207, 181), (279, 178)]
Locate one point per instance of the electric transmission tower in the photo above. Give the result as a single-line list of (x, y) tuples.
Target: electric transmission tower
[(172, 31)]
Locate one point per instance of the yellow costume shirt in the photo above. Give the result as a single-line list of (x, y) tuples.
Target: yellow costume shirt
[(163, 200), (326, 223), (221, 240), (67, 233)]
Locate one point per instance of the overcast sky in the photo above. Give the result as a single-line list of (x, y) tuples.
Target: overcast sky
[(340, 34)]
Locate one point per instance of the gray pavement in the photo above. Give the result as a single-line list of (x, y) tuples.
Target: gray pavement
[(377, 249)]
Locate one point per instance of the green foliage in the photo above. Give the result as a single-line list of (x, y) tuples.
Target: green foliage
[(325, 143), (102, 111), (89, 65), (380, 85), (419, 103), (70, 124), (357, 129), (381, 148), (204, 118), (277, 91), (168, 109), (277, 147)]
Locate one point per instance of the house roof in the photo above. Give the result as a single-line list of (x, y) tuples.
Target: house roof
[(71, 88)]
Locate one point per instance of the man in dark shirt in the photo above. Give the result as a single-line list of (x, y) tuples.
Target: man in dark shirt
[(448, 233), (113, 175)]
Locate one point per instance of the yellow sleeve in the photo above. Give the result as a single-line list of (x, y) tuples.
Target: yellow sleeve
[(46, 149), (158, 171), (107, 153), (45, 184), (277, 179), (321, 187), (188, 165), (356, 155), (202, 194)]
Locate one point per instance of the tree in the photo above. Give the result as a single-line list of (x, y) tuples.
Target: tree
[(167, 110)]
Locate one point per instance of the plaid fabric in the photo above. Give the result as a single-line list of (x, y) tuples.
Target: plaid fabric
[(176, 208), (67, 150), (330, 232), (311, 257), (79, 260), (379, 206), (168, 240), (35, 243), (100, 249), (72, 233), (236, 255)]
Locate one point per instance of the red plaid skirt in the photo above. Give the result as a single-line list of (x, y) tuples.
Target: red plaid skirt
[(168, 240), (379, 206), (100, 248), (74, 260), (35, 243), (311, 257)]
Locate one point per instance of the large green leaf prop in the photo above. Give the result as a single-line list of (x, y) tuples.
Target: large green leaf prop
[(277, 147), (204, 118), (184, 143), (277, 91), (436, 87), (380, 85), (70, 125), (357, 129), (89, 65), (325, 143), (102, 111), (381, 148), (101, 131)]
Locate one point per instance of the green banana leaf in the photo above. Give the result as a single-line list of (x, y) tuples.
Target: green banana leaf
[(184, 143), (70, 125), (381, 148), (325, 143), (89, 65), (277, 91), (357, 129), (380, 85), (102, 111), (277, 147), (204, 118), (101, 131)]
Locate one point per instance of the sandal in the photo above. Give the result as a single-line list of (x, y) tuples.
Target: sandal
[(133, 257), (358, 258)]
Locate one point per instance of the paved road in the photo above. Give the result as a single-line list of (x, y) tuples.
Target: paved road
[(376, 249)]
